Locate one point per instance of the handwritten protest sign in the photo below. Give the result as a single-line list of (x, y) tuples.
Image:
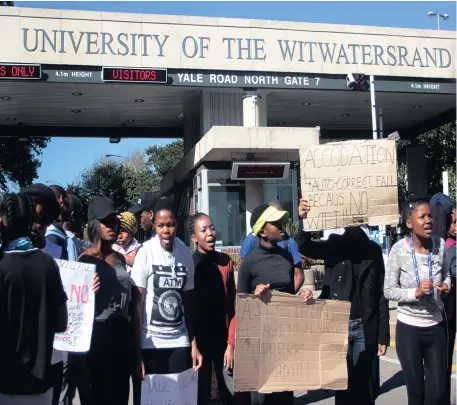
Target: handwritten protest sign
[(350, 183), (289, 345), (170, 389), (77, 282)]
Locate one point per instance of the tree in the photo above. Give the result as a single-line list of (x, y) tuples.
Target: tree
[(138, 177), (104, 178), (163, 158), (79, 191), (19, 160), (124, 180), (440, 155), (7, 3)]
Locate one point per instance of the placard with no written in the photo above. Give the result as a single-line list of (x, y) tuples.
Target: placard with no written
[(77, 281), (289, 345), (350, 183)]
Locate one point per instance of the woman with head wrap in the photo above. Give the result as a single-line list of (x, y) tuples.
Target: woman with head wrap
[(443, 212), (126, 244)]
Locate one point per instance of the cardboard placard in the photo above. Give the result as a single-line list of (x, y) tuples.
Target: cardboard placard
[(77, 281), (350, 183), (170, 389), (289, 345)]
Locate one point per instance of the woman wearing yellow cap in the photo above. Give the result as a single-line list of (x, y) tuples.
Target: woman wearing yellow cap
[(127, 245), (268, 266)]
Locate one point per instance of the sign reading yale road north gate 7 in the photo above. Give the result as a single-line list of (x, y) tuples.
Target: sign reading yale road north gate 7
[(350, 183), (173, 42)]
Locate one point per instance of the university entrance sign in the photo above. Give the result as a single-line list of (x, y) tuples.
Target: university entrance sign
[(173, 42)]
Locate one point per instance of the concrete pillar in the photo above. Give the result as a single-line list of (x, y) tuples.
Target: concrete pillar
[(254, 197), (254, 109), (254, 115), (251, 108)]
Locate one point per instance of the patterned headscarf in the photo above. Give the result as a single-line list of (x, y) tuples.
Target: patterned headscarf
[(128, 222)]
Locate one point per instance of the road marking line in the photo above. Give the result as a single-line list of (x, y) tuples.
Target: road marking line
[(395, 361)]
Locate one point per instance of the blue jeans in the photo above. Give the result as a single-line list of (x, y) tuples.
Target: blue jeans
[(358, 360)]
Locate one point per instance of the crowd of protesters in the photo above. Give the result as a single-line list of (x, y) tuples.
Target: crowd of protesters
[(162, 307)]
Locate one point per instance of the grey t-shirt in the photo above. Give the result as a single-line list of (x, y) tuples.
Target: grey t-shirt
[(113, 298), (400, 281)]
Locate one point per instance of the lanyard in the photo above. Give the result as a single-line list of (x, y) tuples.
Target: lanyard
[(416, 268)]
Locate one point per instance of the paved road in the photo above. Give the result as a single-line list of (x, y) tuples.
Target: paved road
[(393, 390)]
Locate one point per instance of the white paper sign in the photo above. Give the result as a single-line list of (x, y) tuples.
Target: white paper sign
[(77, 282), (170, 389)]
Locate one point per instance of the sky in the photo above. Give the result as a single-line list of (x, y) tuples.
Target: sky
[(57, 164)]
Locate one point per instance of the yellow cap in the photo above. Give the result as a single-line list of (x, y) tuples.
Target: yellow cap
[(271, 214)]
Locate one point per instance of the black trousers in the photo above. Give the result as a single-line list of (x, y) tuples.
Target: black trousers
[(163, 361), (63, 388), (57, 379), (423, 353), (213, 351), (276, 398), (102, 375)]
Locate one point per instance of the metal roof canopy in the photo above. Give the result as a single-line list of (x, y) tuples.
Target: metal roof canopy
[(146, 110)]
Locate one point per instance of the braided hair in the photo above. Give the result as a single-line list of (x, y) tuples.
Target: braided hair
[(409, 207), (192, 220), (19, 214), (191, 225)]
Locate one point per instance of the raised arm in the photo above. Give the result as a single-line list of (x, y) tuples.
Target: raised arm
[(308, 247)]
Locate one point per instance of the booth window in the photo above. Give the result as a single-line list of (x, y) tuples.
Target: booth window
[(284, 190), (227, 207)]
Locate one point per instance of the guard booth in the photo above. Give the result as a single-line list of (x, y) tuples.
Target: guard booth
[(228, 179)]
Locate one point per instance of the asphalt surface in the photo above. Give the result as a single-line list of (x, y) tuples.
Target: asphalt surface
[(393, 390)]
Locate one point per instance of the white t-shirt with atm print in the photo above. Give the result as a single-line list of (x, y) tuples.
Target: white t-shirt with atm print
[(164, 275)]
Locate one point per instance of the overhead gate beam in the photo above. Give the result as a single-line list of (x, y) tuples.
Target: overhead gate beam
[(90, 132)]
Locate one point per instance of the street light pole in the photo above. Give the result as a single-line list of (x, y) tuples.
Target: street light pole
[(53, 182), (123, 157), (135, 169), (438, 16), (118, 156)]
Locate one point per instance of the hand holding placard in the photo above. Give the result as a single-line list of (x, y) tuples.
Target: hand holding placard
[(349, 183)]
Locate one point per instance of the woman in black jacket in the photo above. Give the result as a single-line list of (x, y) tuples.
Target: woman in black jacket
[(354, 272)]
